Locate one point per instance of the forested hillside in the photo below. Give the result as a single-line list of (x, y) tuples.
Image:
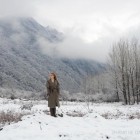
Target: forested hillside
[(24, 66)]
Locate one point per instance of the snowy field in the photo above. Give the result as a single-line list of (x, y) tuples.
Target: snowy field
[(101, 121)]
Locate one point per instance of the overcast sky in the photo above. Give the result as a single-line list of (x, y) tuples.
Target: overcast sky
[(90, 26)]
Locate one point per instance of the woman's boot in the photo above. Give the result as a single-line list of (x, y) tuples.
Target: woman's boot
[(51, 111), (54, 111)]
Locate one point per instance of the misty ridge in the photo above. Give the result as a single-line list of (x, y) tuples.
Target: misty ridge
[(50, 41), (30, 51)]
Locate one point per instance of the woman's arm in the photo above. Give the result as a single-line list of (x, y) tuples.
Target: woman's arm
[(48, 88), (58, 88)]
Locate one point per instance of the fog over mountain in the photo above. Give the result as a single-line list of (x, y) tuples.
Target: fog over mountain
[(28, 53)]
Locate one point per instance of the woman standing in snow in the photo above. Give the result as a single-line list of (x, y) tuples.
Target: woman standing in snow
[(53, 92)]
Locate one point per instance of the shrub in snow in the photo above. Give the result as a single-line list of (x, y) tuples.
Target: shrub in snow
[(94, 115), (10, 117), (27, 106)]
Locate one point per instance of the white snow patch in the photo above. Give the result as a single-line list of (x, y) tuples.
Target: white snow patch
[(92, 126)]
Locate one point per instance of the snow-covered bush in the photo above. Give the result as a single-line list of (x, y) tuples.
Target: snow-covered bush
[(10, 117)]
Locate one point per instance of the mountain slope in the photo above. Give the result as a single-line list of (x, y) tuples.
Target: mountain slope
[(24, 66)]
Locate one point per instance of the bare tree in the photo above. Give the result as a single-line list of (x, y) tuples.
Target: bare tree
[(124, 62)]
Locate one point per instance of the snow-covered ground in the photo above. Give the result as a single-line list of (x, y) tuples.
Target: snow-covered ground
[(122, 123)]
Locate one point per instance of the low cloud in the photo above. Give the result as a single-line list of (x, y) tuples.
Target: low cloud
[(47, 47), (90, 27), (75, 47)]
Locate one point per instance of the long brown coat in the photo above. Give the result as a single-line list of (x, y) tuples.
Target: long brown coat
[(53, 92)]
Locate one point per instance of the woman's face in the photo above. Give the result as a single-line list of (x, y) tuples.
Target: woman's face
[(51, 76)]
